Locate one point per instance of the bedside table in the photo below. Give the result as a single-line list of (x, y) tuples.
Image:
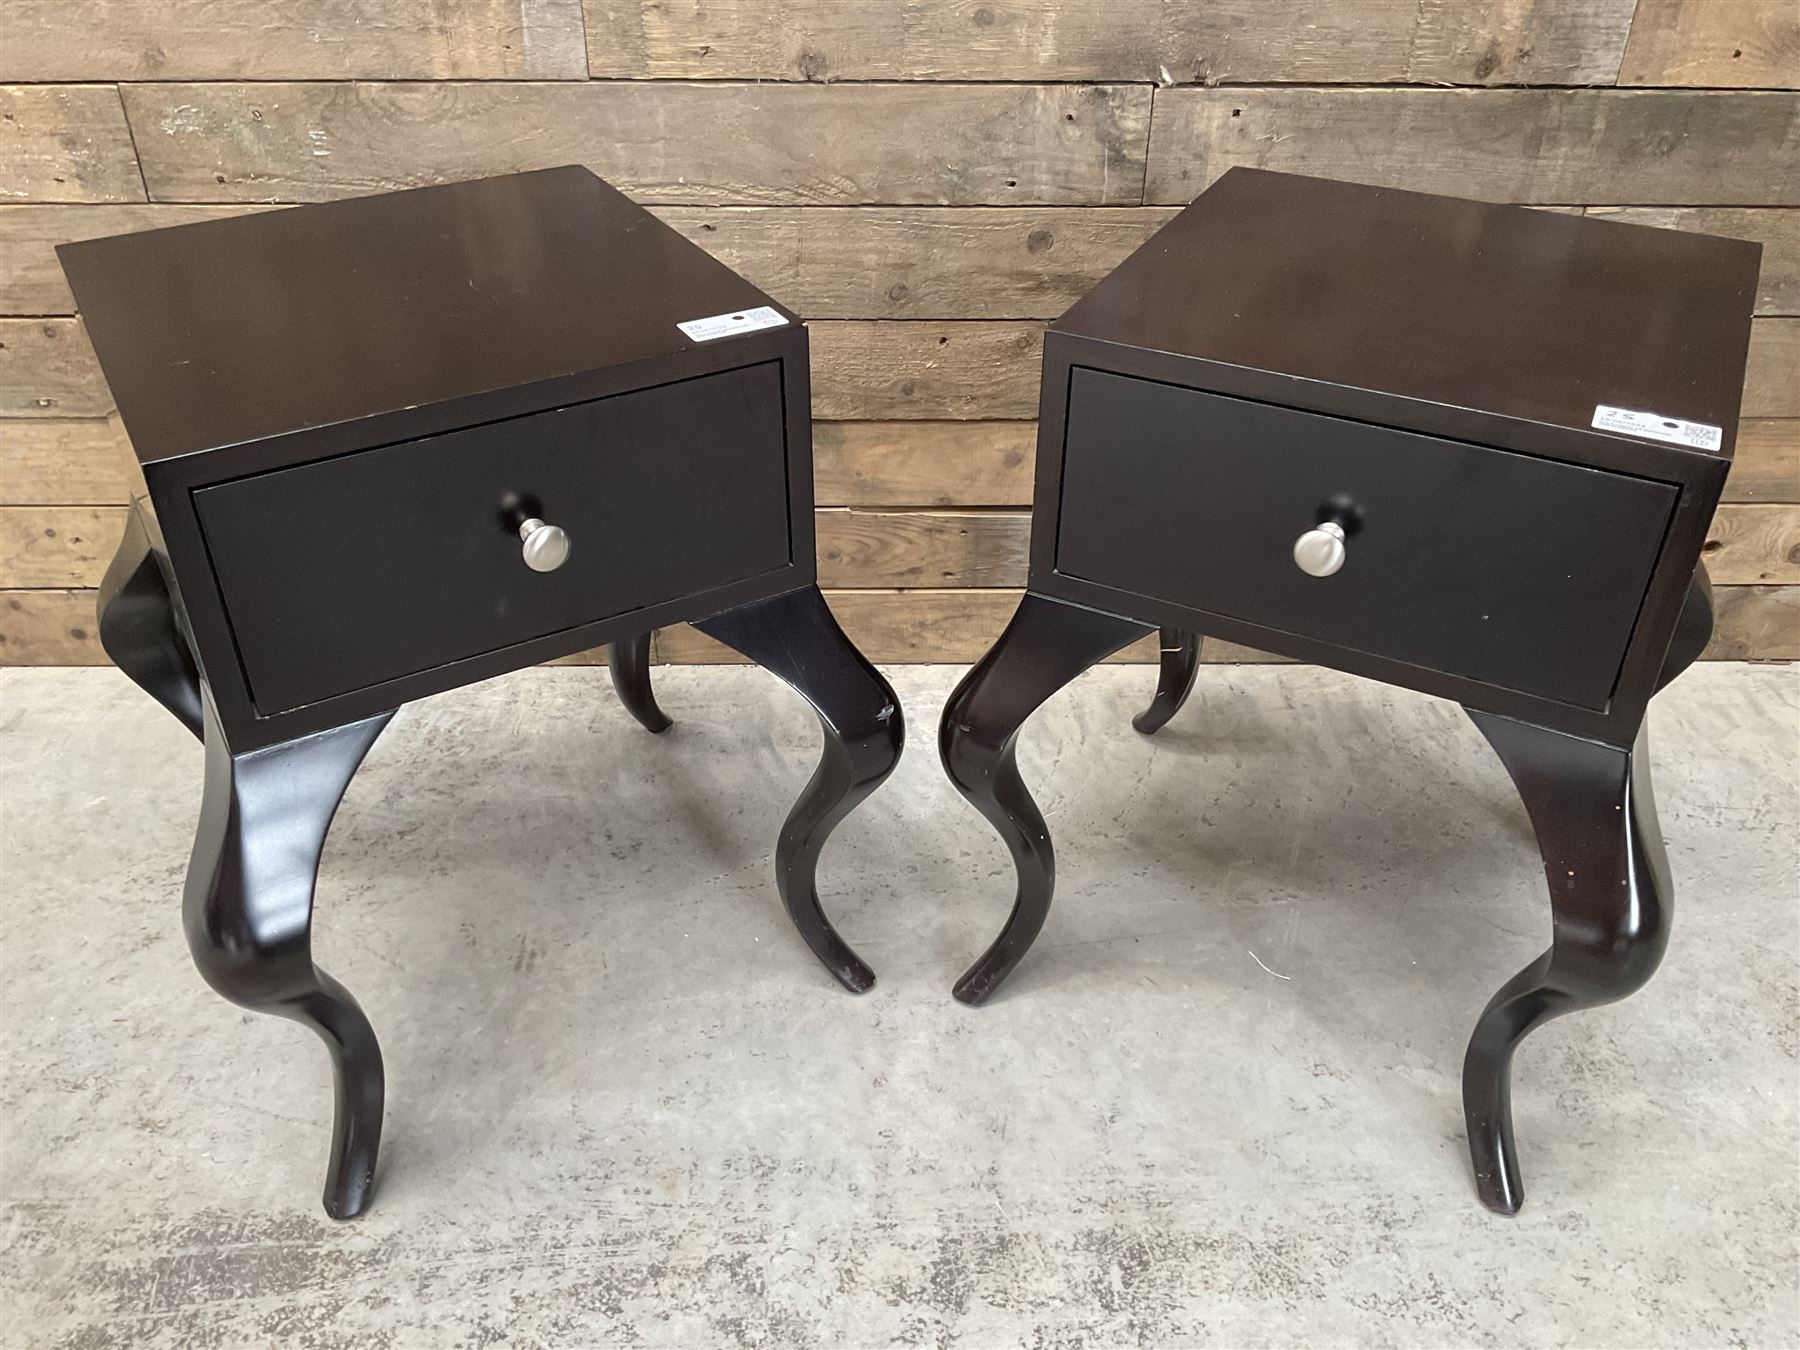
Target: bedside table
[(1472, 450), (398, 444)]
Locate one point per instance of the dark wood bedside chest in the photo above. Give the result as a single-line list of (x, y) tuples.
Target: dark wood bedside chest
[(1468, 449), (397, 444)]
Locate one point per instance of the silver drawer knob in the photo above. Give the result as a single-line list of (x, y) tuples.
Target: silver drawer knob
[(546, 546), (1320, 551)]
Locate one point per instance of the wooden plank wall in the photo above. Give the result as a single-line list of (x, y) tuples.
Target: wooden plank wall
[(927, 183)]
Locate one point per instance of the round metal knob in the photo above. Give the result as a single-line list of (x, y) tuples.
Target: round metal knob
[(546, 546), (1320, 551)]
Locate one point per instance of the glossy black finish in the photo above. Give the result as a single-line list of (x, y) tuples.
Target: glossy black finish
[(1454, 326), (334, 407), (628, 662), (136, 622), (1517, 572), (1424, 372), (1610, 896), (1180, 663), (796, 638), (343, 412), (248, 914), (667, 493), (1046, 645)]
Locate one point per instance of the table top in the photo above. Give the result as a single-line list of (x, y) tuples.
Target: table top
[(228, 331), (1521, 313)]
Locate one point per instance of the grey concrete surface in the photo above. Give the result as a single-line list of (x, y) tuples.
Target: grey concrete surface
[(1218, 1105)]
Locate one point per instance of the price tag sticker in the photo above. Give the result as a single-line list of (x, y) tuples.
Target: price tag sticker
[(727, 325), (1656, 427)]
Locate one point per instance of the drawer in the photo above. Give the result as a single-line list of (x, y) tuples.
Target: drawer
[(348, 572), (1514, 571)]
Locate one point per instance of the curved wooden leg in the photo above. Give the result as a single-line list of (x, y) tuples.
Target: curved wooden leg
[(628, 660), (796, 638), (137, 628), (1047, 644), (248, 914), (1693, 628), (1174, 682), (1610, 896)]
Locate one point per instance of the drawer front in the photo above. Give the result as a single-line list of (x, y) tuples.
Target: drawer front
[(1514, 571), (348, 572)]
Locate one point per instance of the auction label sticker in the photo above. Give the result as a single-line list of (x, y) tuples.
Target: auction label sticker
[(724, 325), (1696, 435)]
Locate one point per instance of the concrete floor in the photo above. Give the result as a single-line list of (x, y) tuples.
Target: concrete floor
[(1218, 1105)]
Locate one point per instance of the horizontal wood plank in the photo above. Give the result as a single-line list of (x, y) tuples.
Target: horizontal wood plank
[(291, 40), (953, 145), (1635, 147), (921, 262), (65, 143), (1754, 545), (49, 628), (57, 546), (868, 371), (1772, 383), (47, 369), (1715, 43), (31, 280), (923, 463), (922, 548), (1766, 464), (1239, 41), (1755, 623), (65, 461), (1776, 229)]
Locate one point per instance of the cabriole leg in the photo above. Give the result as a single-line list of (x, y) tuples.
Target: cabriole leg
[(137, 628), (248, 913), (628, 660), (796, 638), (1174, 682), (1047, 644), (1610, 899)]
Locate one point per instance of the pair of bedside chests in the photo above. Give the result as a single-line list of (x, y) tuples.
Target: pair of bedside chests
[(394, 445)]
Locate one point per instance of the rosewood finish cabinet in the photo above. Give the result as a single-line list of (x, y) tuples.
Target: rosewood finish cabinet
[(1468, 449), (397, 444)]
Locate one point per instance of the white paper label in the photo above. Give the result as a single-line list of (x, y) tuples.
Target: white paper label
[(1698, 435), (724, 325)]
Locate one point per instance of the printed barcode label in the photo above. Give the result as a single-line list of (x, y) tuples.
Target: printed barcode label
[(1697, 435), (724, 325)]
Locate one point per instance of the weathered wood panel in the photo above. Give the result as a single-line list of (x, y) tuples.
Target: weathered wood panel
[(1777, 230), (923, 463), (1772, 384), (925, 370), (952, 145), (57, 461), (49, 628), (1716, 43), (1237, 41), (1766, 465), (291, 40), (1755, 623), (1754, 545), (31, 281), (898, 549), (47, 369), (52, 546), (66, 143), (921, 262), (1638, 147)]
